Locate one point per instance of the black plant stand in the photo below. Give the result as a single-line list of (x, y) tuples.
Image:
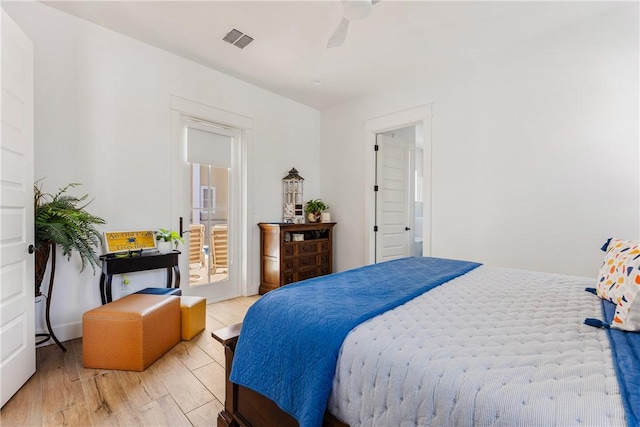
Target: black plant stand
[(50, 335)]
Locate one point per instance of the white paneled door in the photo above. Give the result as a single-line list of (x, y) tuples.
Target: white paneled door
[(17, 330), (393, 200)]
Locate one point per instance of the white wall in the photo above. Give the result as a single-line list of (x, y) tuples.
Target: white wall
[(535, 147), (102, 118), (535, 150)]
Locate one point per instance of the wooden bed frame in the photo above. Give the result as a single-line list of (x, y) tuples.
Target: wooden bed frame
[(244, 407)]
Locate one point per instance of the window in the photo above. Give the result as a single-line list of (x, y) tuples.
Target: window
[(207, 202)]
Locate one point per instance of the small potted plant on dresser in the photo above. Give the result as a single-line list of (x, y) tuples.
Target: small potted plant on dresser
[(314, 209), (167, 240)]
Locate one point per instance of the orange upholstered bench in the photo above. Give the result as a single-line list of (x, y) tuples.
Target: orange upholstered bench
[(130, 333)]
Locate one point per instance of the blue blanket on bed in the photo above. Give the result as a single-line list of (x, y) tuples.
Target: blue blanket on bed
[(625, 349), (290, 339)]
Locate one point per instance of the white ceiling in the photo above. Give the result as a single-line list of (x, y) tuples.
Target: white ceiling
[(289, 51)]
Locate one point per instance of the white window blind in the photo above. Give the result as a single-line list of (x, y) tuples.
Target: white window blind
[(208, 146)]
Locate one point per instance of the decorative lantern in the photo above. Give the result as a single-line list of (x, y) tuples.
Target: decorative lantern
[(293, 210)]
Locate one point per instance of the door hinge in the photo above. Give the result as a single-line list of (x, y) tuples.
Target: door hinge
[(376, 147), (375, 188), (375, 228)]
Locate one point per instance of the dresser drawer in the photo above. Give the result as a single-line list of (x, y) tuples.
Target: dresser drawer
[(306, 248), (289, 264), (295, 249), (306, 261), (288, 249)]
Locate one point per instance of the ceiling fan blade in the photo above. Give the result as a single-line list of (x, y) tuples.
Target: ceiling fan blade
[(339, 35)]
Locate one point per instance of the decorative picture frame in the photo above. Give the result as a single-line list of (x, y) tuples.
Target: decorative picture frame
[(123, 241)]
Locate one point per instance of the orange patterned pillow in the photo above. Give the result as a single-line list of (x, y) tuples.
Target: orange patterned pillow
[(619, 282)]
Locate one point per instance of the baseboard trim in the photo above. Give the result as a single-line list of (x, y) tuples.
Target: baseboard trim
[(66, 332)]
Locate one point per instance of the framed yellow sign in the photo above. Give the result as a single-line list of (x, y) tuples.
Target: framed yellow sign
[(122, 241)]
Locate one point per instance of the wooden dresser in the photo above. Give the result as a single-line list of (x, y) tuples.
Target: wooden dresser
[(284, 260)]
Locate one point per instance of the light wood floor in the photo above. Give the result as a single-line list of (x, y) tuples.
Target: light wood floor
[(183, 388)]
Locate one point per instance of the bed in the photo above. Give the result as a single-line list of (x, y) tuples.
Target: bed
[(435, 342)]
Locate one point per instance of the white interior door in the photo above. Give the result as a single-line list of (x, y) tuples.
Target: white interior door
[(17, 330), (393, 200)]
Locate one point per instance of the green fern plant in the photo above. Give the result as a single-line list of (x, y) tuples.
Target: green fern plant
[(61, 219)]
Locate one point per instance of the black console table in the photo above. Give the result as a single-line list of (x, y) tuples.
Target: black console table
[(135, 261)]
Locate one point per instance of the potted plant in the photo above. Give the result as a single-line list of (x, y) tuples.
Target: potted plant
[(167, 240), (61, 219), (314, 208)]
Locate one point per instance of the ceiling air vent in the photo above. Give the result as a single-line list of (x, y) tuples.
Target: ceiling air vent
[(237, 38)]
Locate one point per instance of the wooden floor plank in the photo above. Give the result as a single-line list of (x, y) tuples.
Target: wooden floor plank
[(206, 415), (61, 387), (141, 387), (25, 407), (213, 348), (163, 411), (76, 415), (212, 376), (231, 311), (213, 323), (184, 387), (192, 356), (107, 401)]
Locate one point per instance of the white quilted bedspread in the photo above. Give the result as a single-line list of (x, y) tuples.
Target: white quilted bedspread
[(495, 347)]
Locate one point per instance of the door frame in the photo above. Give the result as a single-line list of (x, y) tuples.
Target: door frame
[(181, 108), (421, 114)]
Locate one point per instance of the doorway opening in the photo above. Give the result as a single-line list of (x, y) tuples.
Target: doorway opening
[(210, 196), (398, 185), (399, 206)]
